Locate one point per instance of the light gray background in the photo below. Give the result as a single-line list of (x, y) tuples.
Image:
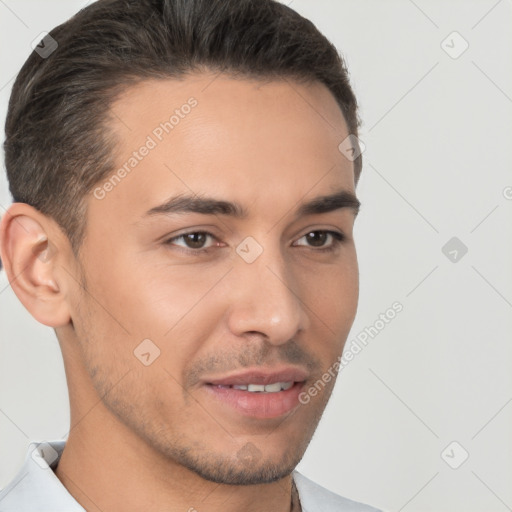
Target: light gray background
[(437, 165)]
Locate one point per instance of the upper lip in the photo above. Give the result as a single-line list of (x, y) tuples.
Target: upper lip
[(259, 376)]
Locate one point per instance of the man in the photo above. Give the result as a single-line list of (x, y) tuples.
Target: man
[(183, 175)]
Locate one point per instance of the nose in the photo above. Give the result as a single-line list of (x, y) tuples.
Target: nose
[(265, 299)]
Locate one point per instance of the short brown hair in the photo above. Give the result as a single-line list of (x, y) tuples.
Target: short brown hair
[(57, 147)]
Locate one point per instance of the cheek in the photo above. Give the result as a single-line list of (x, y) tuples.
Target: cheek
[(176, 299), (345, 293), (142, 298), (169, 305), (332, 294), (331, 297)]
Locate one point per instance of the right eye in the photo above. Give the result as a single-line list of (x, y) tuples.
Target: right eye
[(193, 241)]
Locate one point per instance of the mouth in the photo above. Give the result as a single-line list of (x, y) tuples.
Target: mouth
[(261, 388), (258, 393)]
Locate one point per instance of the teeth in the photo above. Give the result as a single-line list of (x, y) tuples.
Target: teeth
[(256, 388), (273, 388), (260, 388)]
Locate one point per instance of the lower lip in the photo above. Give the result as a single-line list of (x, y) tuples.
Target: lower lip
[(258, 405)]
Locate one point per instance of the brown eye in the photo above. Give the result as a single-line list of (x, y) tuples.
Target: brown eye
[(321, 239), (196, 240), (317, 238)]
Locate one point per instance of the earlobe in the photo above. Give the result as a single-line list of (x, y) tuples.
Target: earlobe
[(30, 260)]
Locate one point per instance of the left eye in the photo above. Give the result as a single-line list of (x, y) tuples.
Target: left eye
[(319, 239)]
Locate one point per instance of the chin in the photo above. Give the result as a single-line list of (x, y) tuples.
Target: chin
[(237, 474), (247, 467)]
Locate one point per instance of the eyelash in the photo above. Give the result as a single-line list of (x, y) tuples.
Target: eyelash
[(338, 239)]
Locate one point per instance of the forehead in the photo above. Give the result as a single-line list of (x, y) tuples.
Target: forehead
[(225, 136)]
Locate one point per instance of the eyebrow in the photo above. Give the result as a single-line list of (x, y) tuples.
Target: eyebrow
[(211, 206)]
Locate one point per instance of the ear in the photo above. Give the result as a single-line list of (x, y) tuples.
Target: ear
[(32, 251)]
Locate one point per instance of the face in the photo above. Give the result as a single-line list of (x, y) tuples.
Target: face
[(220, 270)]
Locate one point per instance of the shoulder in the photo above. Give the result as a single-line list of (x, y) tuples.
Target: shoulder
[(315, 498)]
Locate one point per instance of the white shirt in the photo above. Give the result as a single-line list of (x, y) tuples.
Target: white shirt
[(36, 488)]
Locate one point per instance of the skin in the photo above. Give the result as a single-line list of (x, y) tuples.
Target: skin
[(150, 437)]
